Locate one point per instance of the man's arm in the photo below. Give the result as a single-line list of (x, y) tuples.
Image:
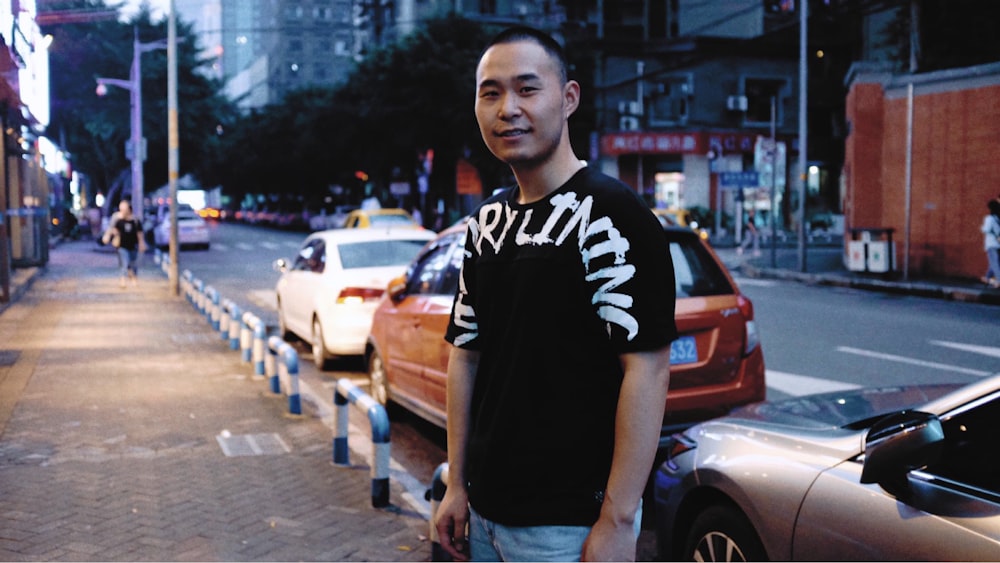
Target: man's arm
[(453, 512), (637, 432)]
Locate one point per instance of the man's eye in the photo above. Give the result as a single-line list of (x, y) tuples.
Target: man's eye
[(529, 89), (488, 94)]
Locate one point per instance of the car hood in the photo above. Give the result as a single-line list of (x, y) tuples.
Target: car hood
[(854, 408)]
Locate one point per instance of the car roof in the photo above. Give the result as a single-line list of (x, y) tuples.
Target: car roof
[(340, 236)]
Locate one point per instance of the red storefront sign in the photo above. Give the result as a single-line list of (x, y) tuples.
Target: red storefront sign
[(693, 142)]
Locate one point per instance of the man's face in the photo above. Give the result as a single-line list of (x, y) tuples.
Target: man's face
[(521, 103)]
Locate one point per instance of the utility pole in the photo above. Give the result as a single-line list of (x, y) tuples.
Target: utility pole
[(172, 144), (803, 131)]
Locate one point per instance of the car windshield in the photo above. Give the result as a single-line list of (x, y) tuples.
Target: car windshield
[(378, 253), (696, 274), (390, 220)]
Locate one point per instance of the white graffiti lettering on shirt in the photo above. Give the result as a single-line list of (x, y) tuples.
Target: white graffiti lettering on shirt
[(595, 239)]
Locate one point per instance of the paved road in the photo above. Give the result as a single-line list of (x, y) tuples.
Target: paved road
[(128, 432)]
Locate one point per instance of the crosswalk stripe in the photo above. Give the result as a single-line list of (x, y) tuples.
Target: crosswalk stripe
[(220, 246), (984, 350), (244, 246), (911, 361), (270, 245), (797, 385)]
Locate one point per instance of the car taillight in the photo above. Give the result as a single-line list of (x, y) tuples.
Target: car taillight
[(752, 336), (357, 295)]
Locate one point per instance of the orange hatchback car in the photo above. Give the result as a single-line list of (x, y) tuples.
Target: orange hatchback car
[(716, 363)]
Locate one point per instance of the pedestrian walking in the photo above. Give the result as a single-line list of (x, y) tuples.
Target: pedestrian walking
[(561, 332), (750, 235), (125, 233), (991, 243)]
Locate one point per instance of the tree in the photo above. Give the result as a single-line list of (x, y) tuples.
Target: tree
[(95, 129)]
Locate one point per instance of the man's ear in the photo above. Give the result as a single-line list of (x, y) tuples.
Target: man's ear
[(571, 96)]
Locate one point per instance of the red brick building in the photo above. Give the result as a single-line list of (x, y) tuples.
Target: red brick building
[(955, 164)]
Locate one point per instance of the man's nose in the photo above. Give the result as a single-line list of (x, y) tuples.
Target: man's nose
[(510, 105)]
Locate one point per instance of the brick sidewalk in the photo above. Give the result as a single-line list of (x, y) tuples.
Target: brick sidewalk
[(115, 406)]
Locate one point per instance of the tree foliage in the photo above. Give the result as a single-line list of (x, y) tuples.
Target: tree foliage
[(94, 129)]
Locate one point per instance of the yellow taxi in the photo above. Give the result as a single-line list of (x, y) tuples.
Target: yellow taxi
[(383, 218), (675, 217)]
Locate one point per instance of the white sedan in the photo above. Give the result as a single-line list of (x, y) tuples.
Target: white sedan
[(329, 293), (192, 231)]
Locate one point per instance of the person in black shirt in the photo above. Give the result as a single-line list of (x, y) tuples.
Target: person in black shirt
[(561, 331), (127, 230)]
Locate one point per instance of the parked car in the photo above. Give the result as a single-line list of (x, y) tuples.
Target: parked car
[(680, 218), (328, 294), (330, 218), (388, 217), (192, 231), (717, 362), (898, 473), (901, 473)]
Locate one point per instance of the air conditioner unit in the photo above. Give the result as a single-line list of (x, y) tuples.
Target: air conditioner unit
[(736, 103), (628, 123), (629, 108)]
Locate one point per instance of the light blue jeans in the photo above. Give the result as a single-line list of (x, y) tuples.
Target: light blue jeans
[(489, 541), (128, 260)]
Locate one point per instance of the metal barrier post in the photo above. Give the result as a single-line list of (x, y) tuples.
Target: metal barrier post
[(233, 325), (199, 295), (438, 487), (257, 343), (212, 307), (289, 367), (187, 282), (378, 418)]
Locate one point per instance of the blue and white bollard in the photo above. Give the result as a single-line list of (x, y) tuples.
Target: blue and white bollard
[(212, 307), (232, 330), (345, 392), (257, 343), (286, 371)]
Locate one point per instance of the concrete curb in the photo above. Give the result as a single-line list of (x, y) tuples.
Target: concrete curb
[(920, 289)]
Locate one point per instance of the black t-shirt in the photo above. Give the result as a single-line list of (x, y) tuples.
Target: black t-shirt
[(551, 294), (128, 233)]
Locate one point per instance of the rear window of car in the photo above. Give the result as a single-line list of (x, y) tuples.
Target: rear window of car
[(390, 220), (378, 253), (696, 273)]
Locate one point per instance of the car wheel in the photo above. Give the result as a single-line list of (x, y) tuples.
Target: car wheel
[(722, 533), (379, 383), (320, 356)]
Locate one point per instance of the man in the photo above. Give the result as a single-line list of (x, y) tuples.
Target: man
[(561, 330)]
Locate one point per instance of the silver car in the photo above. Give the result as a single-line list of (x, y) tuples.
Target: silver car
[(879, 474)]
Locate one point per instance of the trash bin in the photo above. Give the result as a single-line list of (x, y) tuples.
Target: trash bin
[(29, 236), (871, 250)]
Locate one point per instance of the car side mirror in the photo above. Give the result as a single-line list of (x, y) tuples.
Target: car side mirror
[(898, 444), (397, 289), (280, 265)]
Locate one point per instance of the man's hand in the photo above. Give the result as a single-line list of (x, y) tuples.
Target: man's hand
[(451, 522), (609, 542)]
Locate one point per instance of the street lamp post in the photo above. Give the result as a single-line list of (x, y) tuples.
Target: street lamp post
[(136, 140)]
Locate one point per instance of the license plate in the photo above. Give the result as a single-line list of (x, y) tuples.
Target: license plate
[(683, 351)]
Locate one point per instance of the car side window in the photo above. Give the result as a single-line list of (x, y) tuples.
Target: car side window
[(311, 258), (971, 439), (696, 274), (429, 271)]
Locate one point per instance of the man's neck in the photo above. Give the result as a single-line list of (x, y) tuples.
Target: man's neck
[(536, 183)]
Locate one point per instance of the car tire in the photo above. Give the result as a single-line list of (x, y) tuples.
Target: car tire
[(321, 358), (376, 375), (722, 533)]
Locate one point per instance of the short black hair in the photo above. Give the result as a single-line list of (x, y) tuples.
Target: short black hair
[(544, 40)]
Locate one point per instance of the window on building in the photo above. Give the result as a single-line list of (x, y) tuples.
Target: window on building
[(669, 100), (295, 45), (759, 92)]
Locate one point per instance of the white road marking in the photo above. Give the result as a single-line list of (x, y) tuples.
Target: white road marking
[(911, 361), (245, 246), (756, 282), (797, 385), (293, 244), (220, 246), (270, 245), (974, 348)]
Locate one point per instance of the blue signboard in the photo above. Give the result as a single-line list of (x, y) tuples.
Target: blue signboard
[(745, 179)]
